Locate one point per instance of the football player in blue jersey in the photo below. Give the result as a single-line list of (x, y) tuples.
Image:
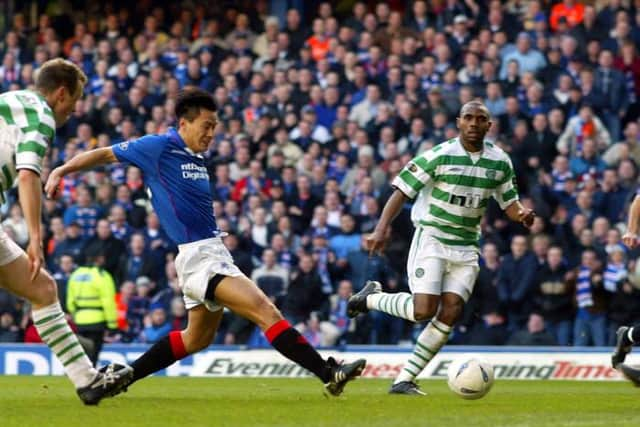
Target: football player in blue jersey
[(177, 179)]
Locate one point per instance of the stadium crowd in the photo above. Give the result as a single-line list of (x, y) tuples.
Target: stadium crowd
[(320, 106)]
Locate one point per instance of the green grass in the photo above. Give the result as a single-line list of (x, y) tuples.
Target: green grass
[(191, 402)]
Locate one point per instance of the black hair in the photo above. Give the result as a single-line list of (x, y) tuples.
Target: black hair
[(472, 104), (190, 101)]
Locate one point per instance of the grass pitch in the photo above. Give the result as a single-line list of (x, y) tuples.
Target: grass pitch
[(191, 402)]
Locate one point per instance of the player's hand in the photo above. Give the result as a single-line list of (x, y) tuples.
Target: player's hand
[(36, 258), (630, 240), (53, 183), (526, 216), (376, 242)]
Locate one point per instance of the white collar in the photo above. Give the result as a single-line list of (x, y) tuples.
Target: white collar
[(193, 153)]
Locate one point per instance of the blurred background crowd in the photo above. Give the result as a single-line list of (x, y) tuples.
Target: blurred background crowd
[(321, 104)]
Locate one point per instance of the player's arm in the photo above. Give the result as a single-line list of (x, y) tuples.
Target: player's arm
[(143, 153), (29, 157), (375, 241), (411, 179), (506, 194), (30, 193), (87, 160), (630, 238), (518, 213)]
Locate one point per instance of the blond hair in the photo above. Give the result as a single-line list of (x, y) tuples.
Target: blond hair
[(60, 72)]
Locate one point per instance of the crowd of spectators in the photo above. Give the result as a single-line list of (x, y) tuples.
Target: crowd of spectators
[(320, 107)]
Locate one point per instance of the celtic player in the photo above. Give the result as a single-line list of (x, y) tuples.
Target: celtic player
[(629, 336), (451, 185), (27, 126)]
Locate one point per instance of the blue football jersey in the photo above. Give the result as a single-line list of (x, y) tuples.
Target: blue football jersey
[(178, 182)]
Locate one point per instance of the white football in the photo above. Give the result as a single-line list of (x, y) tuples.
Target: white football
[(470, 377)]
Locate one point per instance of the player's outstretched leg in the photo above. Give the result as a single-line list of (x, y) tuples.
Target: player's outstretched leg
[(371, 297), (288, 341), (626, 337), (201, 328), (243, 297), (51, 324), (238, 293)]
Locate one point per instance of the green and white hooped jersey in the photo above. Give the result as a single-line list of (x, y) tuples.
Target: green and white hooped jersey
[(27, 127), (453, 191)]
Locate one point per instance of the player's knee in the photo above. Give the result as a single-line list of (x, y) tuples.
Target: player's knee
[(267, 314), (451, 312), (47, 292), (421, 314), (424, 308), (271, 312)]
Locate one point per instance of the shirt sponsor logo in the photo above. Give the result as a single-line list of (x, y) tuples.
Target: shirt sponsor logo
[(468, 200), (193, 171)]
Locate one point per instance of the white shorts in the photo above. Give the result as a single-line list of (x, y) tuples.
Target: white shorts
[(434, 268), (197, 262), (9, 250)]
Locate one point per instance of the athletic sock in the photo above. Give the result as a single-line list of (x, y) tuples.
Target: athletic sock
[(288, 341), (429, 342), (399, 305), (161, 355), (54, 331)]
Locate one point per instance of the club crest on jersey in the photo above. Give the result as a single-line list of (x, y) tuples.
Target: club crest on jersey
[(490, 173), (413, 168), (124, 145), (419, 272)]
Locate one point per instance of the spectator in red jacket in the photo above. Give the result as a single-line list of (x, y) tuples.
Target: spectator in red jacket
[(255, 183), (571, 10)]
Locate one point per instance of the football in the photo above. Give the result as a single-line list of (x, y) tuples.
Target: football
[(470, 377)]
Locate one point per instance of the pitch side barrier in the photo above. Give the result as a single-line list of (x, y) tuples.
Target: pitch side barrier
[(521, 363)]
